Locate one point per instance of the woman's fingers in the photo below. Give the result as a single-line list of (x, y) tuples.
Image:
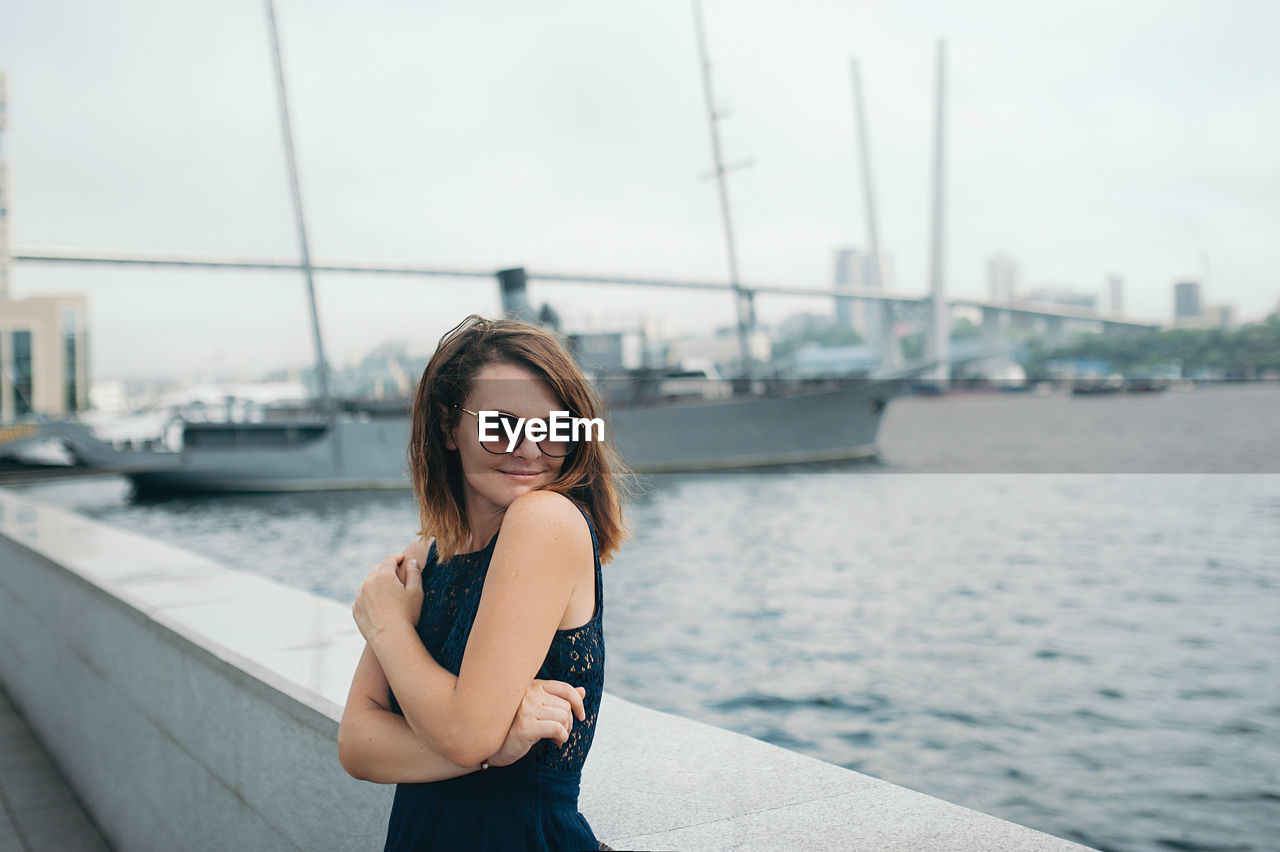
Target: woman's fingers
[(553, 731), (550, 708), (413, 576), (562, 714), (547, 708), (570, 694), (545, 722), (418, 550), (396, 561)]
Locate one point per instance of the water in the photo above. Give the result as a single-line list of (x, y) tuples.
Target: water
[(1224, 428), (1092, 655)]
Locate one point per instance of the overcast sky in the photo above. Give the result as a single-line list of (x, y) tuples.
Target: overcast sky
[(1086, 139)]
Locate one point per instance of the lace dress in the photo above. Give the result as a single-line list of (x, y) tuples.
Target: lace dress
[(533, 803)]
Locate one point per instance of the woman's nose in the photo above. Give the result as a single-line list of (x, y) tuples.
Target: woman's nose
[(528, 448)]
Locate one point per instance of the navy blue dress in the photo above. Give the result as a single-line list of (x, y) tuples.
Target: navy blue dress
[(533, 803)]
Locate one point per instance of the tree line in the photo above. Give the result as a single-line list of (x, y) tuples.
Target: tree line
[(1245, 352)]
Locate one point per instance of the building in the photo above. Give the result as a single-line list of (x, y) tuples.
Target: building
[(1219, 316), (1115, 288), (721, 348), (44, 357), (1002, 279), (801, 323), (608, 351), (1186, 303), (856, 270)]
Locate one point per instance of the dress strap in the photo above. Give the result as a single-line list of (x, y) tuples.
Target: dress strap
[(595, 549)]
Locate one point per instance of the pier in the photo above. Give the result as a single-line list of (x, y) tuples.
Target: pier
[(191, 705)]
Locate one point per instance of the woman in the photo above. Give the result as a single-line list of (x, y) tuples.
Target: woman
[(463, 694)]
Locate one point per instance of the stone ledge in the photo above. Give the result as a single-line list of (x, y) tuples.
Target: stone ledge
[(200, 677)]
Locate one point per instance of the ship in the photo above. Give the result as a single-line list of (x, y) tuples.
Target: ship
[(362, 444)]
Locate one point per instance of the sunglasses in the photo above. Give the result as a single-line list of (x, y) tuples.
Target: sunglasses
[(508, 424)]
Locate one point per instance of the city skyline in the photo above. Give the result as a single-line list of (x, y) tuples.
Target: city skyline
[(575, 142)]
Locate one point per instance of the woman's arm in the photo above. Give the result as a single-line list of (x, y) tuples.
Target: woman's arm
[(526, 591), (376, 744)]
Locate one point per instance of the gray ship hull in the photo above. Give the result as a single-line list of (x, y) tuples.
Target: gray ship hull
[(758, 431), (837, 423)]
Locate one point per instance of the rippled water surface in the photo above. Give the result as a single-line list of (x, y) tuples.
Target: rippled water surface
[(1093, 655)]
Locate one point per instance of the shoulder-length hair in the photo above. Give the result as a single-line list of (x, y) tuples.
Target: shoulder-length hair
[(593, 475)]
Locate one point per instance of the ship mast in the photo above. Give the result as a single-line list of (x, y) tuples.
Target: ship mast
[(743, 299), (939, 311), (322, 369), (882, 326)]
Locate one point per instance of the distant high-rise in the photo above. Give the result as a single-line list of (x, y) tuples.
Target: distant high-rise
[(847, 261), (1115, 287), (1002, 278), (855, 270), (1186, 303), (1219, 316)]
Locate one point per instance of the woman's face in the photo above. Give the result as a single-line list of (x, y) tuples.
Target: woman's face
[(492, 482)]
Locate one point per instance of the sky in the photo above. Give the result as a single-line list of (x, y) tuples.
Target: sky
[(1085, 139)]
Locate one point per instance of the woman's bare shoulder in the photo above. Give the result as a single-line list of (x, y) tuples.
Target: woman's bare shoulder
[(548, 513), (544, 505), (420, 549)]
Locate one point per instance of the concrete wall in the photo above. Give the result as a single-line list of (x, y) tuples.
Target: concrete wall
[(192, 706)]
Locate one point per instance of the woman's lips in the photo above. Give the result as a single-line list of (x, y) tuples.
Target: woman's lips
[(522, 477)]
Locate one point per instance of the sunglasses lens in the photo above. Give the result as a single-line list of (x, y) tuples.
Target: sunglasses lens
[(558, 449), (505, 429), (511, 426)]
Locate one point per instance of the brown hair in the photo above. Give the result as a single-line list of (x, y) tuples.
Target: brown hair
[(593, 475)]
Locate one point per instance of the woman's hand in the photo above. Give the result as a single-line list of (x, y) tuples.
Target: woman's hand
[(419, 550), (385, 600), (547, 711)]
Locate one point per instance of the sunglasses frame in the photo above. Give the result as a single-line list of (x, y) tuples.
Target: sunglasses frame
[(524, 433)]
